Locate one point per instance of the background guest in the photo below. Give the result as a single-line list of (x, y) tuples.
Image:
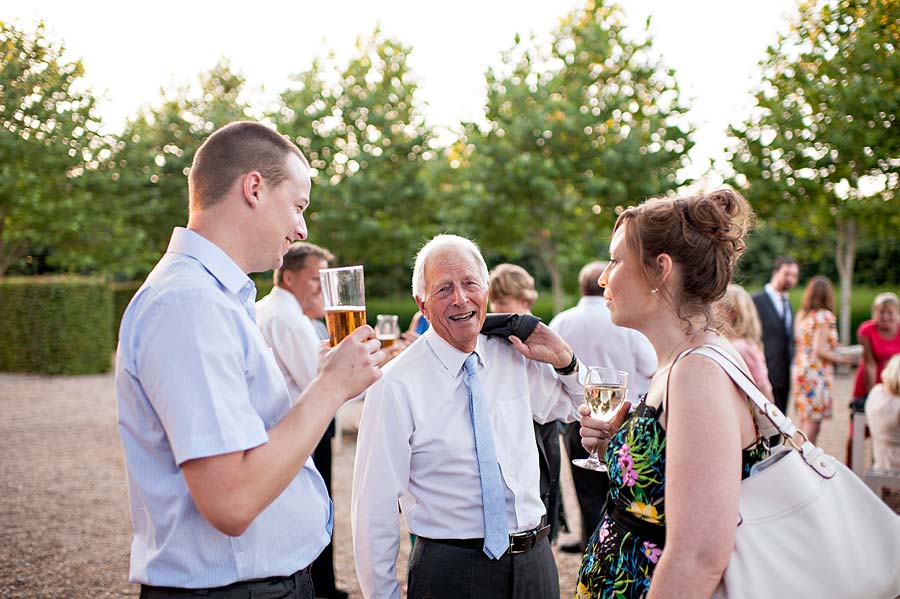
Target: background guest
[(883, 415), (777, 318), (744, 331), (289, 319), (812, 374), (880, 340)]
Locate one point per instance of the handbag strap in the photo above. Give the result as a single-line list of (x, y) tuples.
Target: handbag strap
[(767, 414)]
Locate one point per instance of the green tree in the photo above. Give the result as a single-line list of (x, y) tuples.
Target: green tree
[(575, 133), (367, 141), (48, 140), (821, 152), (154, 153)]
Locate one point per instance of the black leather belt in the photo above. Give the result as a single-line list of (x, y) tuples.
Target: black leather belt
[(258, 584), (520, 542)]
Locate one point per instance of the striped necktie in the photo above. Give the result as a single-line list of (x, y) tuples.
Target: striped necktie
[(493, 498)]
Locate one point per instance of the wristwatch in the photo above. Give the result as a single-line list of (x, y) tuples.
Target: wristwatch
[(570, 368)]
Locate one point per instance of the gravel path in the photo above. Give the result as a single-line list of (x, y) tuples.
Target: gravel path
[(64, 520)]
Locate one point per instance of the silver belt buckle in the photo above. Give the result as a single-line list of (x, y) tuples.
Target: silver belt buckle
[(527, 539)]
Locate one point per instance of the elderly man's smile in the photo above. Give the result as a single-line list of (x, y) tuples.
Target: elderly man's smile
[(462, 317)]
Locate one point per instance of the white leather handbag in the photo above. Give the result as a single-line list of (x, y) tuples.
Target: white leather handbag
[(809, 527)]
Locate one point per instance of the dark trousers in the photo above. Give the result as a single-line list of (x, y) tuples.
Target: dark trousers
[(323, 566), (781, 395), (547, 438), (297, 586), (591, 487), (441, 571)]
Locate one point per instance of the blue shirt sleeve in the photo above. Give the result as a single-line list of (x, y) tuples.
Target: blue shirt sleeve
[(192, 363)]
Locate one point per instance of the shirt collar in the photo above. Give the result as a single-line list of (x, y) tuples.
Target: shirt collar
[(773, 293), (451, 358), (213, 259), (286, 296), (592, 300)]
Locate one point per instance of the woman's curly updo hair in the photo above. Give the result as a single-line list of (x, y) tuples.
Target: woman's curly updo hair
[(704, 235)]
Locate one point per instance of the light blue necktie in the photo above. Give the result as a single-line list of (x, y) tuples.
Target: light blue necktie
[(493, 498)]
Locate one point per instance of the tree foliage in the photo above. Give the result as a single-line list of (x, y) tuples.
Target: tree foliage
[(367, 142), (821, 152), (154, 153), (48, 140), (575, 133)]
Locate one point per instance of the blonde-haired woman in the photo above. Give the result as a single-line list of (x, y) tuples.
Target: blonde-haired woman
[(511, 289), (883, 416), (744, 330)]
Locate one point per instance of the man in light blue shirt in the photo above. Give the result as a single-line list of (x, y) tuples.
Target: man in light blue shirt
[(224, 496)]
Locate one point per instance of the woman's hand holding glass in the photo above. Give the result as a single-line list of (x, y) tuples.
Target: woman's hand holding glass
[(603, 413)]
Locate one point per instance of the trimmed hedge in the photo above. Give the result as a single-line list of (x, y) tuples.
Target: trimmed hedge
[(55, 325), (122, 294)]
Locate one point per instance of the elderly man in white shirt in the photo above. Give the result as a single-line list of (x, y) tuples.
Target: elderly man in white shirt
[(588, 328), (447, 432), (287, 318)]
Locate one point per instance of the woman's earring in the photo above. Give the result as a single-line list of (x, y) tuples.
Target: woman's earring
[(654, 290)]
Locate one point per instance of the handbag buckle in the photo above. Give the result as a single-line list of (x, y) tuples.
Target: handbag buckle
[(793, 443)]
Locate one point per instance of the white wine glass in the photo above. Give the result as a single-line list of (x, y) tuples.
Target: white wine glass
[(604, 392)]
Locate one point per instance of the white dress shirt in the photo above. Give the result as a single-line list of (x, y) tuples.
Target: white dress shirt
[(778, 300), (416, 446), (588, 328), (291, 336)]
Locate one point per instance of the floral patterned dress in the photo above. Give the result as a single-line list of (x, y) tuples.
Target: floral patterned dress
[(811, 377), (623, 551)]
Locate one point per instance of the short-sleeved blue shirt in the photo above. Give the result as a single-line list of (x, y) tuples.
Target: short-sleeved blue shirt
[(194, 378)]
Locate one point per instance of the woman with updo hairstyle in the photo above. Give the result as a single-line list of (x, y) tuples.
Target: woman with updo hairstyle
[(677, 459)]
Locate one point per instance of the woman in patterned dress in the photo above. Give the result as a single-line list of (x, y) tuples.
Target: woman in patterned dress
[(812, 372), (676, 463)]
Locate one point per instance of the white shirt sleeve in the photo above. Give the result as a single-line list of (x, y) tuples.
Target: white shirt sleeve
[(380, 478), (644, 363), (554, 396)]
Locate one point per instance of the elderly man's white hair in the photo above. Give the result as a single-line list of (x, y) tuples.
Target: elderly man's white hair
[(444, 244)]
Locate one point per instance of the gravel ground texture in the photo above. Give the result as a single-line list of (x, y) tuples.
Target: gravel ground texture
[(64, 519)]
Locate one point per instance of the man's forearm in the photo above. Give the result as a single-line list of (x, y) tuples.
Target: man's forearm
[(232, 489)]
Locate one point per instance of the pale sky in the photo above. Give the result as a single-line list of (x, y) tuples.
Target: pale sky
[(131, 50)]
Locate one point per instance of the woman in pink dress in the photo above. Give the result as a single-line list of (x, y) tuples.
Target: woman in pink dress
[(744, 330), (880, 339), (812, 372)]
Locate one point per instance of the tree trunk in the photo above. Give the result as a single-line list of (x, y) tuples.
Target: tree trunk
[(7, 258), (548, 256), (845, 258)]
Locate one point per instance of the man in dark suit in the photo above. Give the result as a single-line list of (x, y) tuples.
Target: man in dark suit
[(777, 318)]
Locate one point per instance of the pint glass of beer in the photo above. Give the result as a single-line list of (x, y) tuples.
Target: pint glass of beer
[(345, 300), (387, 329)]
